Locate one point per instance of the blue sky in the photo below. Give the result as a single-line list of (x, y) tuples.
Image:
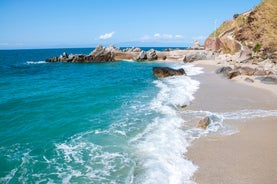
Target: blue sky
[(86, 23)]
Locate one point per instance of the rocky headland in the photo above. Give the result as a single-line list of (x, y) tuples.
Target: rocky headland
[(241, 47)]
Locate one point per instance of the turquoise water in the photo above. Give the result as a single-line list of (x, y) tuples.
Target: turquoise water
[(99, 122), (90, 123)]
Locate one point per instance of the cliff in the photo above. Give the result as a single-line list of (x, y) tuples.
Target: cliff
[(255, 31)]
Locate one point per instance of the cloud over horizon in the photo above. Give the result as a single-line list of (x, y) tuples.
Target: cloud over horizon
[(159, 36), (106, 36)]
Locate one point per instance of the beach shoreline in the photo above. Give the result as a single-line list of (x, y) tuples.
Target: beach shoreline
[(239, 79), (248, 154)]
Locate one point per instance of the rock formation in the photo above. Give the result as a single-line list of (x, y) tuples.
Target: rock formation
[(99, 54), (150, 55), (167, 72), (204, 123), (191, 56), (252, 35)]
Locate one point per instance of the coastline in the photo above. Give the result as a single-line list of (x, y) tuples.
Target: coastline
[(239, 79), (248, 154)]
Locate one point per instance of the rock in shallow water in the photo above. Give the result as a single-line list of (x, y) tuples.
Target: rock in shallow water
[(204, 123), (167, 72)]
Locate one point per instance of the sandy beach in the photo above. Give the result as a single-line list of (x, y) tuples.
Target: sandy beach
[(248, 156)]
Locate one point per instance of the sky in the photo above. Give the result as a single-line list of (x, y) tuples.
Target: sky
[(87, 23)]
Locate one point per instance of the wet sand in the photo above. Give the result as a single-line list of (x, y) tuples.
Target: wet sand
[(245, 157)]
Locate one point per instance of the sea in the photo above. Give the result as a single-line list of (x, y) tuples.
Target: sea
[(94, 122)]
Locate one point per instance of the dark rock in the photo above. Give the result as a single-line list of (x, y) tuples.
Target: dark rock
[(269, 80), (233, 74), (224, 69), (164, 57), (166, 71), (204, 123), (246, 70), (248, 80)]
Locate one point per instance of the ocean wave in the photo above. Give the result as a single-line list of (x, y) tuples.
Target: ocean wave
[(35, 62), (217, 119), (161, 146)]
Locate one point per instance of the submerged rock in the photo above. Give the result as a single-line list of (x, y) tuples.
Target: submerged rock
[(166, 72), (204, 123)]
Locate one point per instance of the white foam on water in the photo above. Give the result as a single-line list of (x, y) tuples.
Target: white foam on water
[(35, 62), (217, 119), (81, 158), (160, 148)]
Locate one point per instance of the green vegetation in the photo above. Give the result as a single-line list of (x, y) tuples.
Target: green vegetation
[(254, 27), (257, 47)]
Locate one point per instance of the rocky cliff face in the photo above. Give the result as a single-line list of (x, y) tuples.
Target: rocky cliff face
[(255, 30)]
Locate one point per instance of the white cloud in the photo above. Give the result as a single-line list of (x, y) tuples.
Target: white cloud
[(164, 37), (179, 36), (106, 36), (199, 38), (167, 36), (157, 35), (145, 37)]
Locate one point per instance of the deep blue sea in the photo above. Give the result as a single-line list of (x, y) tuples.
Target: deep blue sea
[(91, 123)]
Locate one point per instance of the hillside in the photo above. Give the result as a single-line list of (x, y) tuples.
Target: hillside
[(255, 29)]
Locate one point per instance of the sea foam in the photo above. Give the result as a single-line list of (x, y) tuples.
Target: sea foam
[(35, 62), (161, 146)]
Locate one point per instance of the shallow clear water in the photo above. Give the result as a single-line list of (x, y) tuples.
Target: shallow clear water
[(90, 123), (98, 122)]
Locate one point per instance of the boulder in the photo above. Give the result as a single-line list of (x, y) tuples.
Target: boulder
[(223, 70), (269, 80), (233, 74), (248, 80), (102, 54), (166, 72), (213, 44), (204, 123), (195, 55), (142, 56), (151, 55), (246, 70), (260, 72)]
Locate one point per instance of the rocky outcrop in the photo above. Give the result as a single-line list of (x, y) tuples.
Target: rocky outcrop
[(243, 70), (167, 72), (196, 46), (132, 49), (150, 55), (99, 54), (224, 44), (191, 56), (204, 123), (251, 34)]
